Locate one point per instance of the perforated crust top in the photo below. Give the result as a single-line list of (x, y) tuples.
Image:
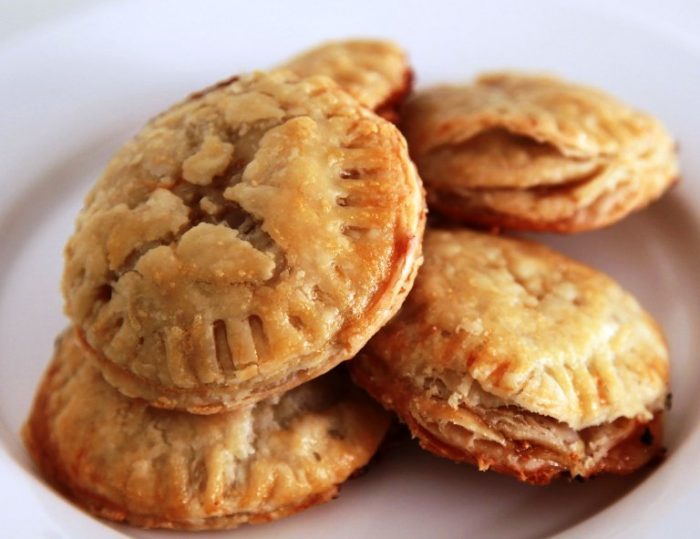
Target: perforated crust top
[(244, 241), (527, 327), (535, 152), (372, 71), (126, 461)]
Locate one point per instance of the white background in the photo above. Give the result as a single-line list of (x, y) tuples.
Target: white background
[(675, 16)]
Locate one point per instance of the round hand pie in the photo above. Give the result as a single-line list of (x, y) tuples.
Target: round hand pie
[(125, 461), (518, 359), (374, 72), (245, 241), (536, 153)]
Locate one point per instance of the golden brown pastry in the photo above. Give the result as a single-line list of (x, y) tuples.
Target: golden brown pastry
[(245, 241), (374, 72), (515, 358), (125, 461), (536, 153)]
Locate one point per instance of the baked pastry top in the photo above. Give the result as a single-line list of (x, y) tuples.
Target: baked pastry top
[(374, 72), (534, 152), (125, 461), (508, 340), (246, 240)]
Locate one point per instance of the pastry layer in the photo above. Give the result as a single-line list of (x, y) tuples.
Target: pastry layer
[(507, 439), (536, 153)]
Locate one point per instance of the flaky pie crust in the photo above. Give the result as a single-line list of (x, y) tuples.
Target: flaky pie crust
[(246, 240), (504, 344), (533, 152), (510, 440), (125, 461)]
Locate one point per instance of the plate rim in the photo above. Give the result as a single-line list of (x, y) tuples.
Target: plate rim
[(602, 521)]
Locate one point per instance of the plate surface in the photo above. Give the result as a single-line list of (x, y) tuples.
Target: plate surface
[(72, 92)]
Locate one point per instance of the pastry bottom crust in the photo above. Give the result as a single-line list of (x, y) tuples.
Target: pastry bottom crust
[(473, 208), (620, 447)]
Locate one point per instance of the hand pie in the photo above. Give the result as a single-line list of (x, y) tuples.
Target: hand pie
[(536, 153), (374, 72), (245, 241), (518, 359), (125, 461)]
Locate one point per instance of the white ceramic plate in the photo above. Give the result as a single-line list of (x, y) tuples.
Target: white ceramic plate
[(72, 92)]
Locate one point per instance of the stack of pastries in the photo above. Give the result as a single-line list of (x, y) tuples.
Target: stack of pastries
[(268, 228)]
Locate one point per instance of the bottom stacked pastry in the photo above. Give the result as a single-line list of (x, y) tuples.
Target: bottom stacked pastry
[(125, 461), (515, 358)]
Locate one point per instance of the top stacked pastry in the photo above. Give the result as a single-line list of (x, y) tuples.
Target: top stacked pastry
[(246, 240)]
